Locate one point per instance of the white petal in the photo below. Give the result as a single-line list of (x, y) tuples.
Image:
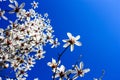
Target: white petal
[(78, 43), (22, 5), (4, 17), (77, 68), (56, 75), (11, 6), (60, 79), (68, 72), (59, 62), (81, 65), (11, 12), (53, 60), (69, 35), (82, 75), (65, 40), (75, 77), (95, 79), (56, 39), (49, 63), (62, 68), (66, 45), (86, 70), (77, 37), (72, 48), (16, 3)]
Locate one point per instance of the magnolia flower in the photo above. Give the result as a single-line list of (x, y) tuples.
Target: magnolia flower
[(39, 54), (79, 71), (54, 43), (72, 41), (34, 4), (16, 8), (53, 64), (61, 73), (2, 15)]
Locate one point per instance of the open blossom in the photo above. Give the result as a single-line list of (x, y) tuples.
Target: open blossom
[(34, 4), (54, 43), (61, 73), (2, 15), (79, 71), (39, 54), (16, 8), (53, 64), (72, 41)]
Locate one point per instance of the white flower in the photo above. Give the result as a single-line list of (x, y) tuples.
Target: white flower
[(53, 64), (79, 71), (62, 73), (54, 43), (2, 14), (16, 8), (46, 15), (39, 54), (34, 4), (72, 41)]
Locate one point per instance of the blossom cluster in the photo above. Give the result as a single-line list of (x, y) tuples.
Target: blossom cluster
[(28, 33)]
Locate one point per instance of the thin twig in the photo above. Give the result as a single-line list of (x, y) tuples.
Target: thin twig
[(59, 57), (78, 60)]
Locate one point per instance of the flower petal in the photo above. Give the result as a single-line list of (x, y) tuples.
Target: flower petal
[(81, 65), (66, 45), (62, 68), (11, 6), (69, 35), (49, 63), (86, 70), (77, 37), (53, 60), (5, 18), (65, 40), (72, 48), (75, 77), (78, 43), (22, 5), (16, 3)]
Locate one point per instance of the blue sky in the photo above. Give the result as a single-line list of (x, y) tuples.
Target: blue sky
[(97, 21)]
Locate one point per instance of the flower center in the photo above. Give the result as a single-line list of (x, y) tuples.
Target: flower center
[(61, 74), (72, 41), (80, 72)]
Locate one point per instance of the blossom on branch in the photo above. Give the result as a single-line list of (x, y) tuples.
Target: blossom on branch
[(79, 71), (72, 41), (16, 8), (34, 4), (53, 64)]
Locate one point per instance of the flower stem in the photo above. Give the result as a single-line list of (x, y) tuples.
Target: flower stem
[(78, 60), (59, 57)]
